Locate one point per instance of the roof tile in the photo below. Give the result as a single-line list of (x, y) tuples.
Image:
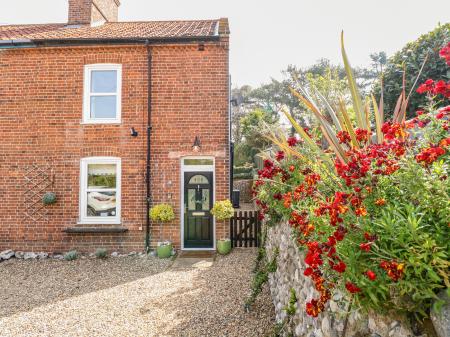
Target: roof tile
[(111, 30)]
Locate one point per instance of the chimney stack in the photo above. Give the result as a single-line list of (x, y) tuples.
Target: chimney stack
[(93, 11)]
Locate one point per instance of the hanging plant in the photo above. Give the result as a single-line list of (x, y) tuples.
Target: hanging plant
[(49, 198), (162, 213), (223, 210)]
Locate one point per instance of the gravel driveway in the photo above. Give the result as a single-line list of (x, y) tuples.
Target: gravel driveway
[(131, 296)]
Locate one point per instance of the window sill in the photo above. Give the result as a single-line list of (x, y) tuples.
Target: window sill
[(101, 122), (95, 229)]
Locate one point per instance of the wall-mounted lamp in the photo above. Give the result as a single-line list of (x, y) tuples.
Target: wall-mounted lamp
[(197, 145), (134, 133)]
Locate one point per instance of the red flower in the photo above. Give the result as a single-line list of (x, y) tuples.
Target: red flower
[(393, 269), (352, 288), (308, 271), (426, 87), (362, 135), (365, 246), (445, 53), (344, 137), (429, 155), (445, 142), (371, 275), (442, 88), (292, 141), (279, 156), (340, 267), (339, 233), (370, 237)]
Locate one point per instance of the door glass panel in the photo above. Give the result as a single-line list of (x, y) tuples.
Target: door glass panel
[(101, 204), (205, 199), (198, 162), (101, 176), (191, 200), (198, 179)]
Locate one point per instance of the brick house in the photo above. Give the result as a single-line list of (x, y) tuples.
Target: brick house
[(113, 117)]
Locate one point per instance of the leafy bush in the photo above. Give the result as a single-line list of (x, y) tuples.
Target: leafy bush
[(243, 172), (412, 57), (371, 211), (101, 253), (162, 213), (223, 210), (70, 256)]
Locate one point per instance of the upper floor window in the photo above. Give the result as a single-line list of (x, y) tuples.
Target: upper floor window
[(102, 93)]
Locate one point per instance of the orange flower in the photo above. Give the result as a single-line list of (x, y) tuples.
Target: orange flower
[(361, 211), (292, 168), (380, 202), (287, 200), (342, 209)]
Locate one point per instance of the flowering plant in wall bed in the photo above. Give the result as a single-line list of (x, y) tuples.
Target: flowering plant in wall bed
[(371, 210)]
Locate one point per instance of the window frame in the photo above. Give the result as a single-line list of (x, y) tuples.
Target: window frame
[(84, 163), (88, 69)]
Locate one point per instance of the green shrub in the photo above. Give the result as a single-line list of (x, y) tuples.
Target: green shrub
[(162, 213), (412, 57), (70, 256), (101, 253), (223, 210)]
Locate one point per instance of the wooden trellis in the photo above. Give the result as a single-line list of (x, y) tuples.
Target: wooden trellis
[(38, 179)]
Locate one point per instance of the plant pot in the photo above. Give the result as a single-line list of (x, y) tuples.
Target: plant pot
[(164, 251), (223, 246)]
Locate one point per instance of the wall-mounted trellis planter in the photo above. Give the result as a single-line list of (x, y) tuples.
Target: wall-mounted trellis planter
[(38, 180)]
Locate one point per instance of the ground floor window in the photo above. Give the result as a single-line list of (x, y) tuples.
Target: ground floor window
[(100, 190)]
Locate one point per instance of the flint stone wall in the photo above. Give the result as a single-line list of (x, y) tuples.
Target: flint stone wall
[(289, 274)]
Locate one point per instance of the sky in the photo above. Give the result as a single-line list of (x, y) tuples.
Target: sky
[(268, 35)]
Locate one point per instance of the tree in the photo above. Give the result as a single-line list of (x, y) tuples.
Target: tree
[(253, 140), (410, 60)]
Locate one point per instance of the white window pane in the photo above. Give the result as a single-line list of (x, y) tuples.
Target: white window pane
[(101, 176), (103, 106), (101, 204), (104, 81)]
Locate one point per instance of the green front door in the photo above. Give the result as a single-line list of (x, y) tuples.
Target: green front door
[(198, 199)]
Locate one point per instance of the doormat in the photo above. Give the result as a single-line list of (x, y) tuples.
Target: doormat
[(201, 254)]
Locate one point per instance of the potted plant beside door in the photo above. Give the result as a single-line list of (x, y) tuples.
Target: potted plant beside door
[(223, 210), (163, 213)]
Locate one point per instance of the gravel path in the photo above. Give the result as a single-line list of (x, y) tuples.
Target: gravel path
[(131, 297)]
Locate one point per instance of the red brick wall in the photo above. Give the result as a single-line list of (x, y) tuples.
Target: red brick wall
[(41, 93)]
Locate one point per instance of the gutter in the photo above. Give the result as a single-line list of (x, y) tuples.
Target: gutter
[(27, 43), (149, 133)]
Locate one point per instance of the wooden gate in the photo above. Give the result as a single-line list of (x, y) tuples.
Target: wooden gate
[(245, 229)]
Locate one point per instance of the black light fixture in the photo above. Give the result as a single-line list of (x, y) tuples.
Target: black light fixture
[(197, 145), (134, 133)]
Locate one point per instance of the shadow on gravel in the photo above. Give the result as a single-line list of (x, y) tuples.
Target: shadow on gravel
[(28, 284), (213, 305)]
